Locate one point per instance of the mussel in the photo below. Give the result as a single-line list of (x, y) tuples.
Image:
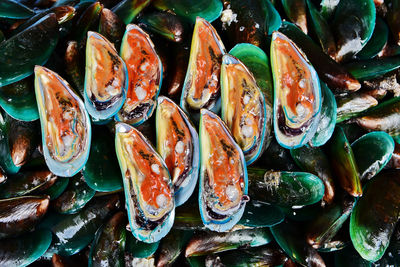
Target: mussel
[(178, 145), (297, 93), (106, 79), (223, 175), (201, 88), (243, 107), (145, 76), (65, 123), (147, 185)]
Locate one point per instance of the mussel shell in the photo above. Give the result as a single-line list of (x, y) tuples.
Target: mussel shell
[(37, 50), (223, 175), (145, 76), (106, 79), (333, 74), (375, 215), (66, 128), (210, 10), (328, 118), (178, 145), (314, 160), (25, 249), (353, 24), (14, 10), (109, 244), (203, 243), (127, 10), (74, 232), (21, 214), (343, 163), (297, 93), (201, 88), (171, 247), (243, 108), (352, 105), (147, 185), (372, 152), (296, 12)]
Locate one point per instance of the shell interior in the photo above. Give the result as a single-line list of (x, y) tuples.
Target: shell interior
[(243, 107), (297, 93), (201, 88), (145, 76), (223, 175), (66, 128), (178, 145), (147, 185), (106, 78)]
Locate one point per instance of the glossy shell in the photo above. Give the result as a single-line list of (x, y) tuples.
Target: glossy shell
[(297, 93), (145, 76), (178, 145), (66, 128), (147, 185), (106, 79), (223, 175), (243, 107), (201, 88)]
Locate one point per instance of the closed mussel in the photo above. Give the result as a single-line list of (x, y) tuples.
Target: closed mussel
[(106, 79), (147, 185), (66, 128), (243, 107), (223, 175), (145, 76), (178, 145), (297, 93)]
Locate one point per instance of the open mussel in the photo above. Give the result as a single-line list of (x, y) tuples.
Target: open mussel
[(297, 93), (147, 185), (145, 76), (178, 145), (243, 107), (223, 175), (66, 128), (201, 88), (106, 79)]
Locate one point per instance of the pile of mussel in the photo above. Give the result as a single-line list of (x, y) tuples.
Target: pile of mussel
[(199, 133)]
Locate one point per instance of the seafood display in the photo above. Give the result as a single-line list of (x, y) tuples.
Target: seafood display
[(199, 133)]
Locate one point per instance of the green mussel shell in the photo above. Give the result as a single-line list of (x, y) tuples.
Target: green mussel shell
[(210, 10), (24, 250), (21, 214), (14, 10), (372, 68), (353, 25), (75, 196), (36, 50), (19, 101), (314, 160), (372, 152), (375, 215), (109, 243), (287, 236), (285, 189), (204, 243), (351, 105), (377, 42), (101, 171), (138, 249), (171, 246), (127, 10), (74, 232), (343, 163)]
